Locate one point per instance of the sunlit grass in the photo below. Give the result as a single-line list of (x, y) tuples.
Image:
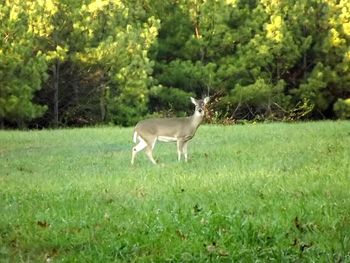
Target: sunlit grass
[(255, 192)]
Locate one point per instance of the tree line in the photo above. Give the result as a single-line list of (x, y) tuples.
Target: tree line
[(87, 62)]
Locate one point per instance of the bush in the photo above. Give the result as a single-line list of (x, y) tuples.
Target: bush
[(342, 108), (169, 100)]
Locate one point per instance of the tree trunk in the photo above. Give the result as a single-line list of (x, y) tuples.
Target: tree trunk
[(21, 124), (55, 79), (196, 29), (102, 103)]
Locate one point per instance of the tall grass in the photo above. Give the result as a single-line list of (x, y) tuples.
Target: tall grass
[(266, 192)]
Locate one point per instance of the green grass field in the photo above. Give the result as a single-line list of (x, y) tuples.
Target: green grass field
[(264, 192)]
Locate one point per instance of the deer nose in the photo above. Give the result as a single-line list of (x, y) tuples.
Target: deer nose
[(200, 110)]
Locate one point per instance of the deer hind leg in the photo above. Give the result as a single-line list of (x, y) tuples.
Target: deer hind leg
[(139, 147), (150, 155), (149, 149)]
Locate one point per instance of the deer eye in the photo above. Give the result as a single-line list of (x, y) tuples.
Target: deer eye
[(200, 110)]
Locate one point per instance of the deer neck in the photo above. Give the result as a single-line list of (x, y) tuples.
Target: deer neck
[(196, 120)]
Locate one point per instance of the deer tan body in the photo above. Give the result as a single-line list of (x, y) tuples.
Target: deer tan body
[(179, 130)]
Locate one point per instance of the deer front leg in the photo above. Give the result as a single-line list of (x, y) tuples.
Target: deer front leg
[(184, 150), (179, 146), (181, 149)]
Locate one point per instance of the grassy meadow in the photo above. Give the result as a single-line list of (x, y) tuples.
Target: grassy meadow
[(264, 192)]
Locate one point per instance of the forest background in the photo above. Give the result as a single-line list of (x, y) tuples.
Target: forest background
[(88, 62)]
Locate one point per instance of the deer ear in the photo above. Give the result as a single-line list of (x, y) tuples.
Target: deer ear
[(194, 101), (206, 100)]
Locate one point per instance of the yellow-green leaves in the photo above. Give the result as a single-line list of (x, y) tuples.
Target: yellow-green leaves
[(22, 67), (335, 38), (346, 28), (274, 30), (60, 53)]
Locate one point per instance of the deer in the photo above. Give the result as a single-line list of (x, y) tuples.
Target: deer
[(179, 129)]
